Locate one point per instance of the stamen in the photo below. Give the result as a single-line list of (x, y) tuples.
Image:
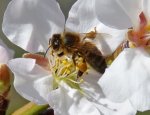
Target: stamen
[(140, 37), (63, 69)]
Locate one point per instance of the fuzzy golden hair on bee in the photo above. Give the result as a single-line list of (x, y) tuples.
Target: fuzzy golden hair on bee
[(71, 43)]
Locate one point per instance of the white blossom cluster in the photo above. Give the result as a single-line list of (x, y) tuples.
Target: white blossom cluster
[(123, 89)]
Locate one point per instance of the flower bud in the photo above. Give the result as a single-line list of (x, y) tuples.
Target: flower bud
[(4, 88)]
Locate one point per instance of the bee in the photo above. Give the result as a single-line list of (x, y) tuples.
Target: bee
[(71, 43)]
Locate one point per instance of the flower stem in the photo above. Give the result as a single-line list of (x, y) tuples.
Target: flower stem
[(30, 109)]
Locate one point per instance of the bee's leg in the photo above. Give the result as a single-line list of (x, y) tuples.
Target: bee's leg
[(80, 63), (75, 54), (49, 42), (82, 67), (60, 54), (80, 73), (90, 35), (52, 53)]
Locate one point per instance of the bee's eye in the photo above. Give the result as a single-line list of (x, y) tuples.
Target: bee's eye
[(56, 41)]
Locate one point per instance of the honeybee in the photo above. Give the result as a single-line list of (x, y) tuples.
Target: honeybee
[(71, 43)]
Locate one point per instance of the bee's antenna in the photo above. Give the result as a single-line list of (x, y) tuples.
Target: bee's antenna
[(47, 50)]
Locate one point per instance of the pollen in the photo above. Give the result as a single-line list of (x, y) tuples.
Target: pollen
[(64, 62), (81, 80), (68, 71), (63, 69), (148, 28), (131, 45)]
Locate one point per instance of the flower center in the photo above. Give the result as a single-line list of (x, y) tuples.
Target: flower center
[(140, 37), (63, 69)]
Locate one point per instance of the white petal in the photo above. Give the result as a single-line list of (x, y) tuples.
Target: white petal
[(132, 8), (82, 17), (95, 94), (126, 109), (44, 86), (24, 65), (110, 13), (30, 23), (126, 74), (110, 108), (6, 53), (141, 98), (27, 74), (108, 39), (146, 8), (67, 101), (90, 85)]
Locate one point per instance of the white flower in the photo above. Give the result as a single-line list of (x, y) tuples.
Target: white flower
[(129, 75), (36, 83), (29, 24)]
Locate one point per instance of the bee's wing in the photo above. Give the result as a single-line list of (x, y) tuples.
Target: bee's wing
[(103, 35), (106, 43), (98, 36)]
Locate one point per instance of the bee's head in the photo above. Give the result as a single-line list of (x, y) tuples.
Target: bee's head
[(56, 41)]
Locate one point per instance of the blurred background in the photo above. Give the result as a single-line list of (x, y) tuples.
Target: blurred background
[(16, 101)]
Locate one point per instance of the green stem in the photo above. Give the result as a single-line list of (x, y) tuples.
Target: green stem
[(30, 109)]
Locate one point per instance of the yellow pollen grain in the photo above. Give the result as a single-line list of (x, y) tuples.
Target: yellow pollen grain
[(131, 45), (68, 66), (64, 62), (148, 28), (109, 62), (68, 71), (81, 80)]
